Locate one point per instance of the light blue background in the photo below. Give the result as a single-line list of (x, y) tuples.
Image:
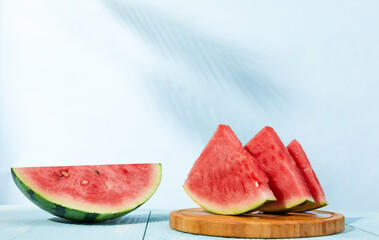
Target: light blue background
[(92, 82)]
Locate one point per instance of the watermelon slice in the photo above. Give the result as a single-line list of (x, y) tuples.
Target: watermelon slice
[(302, 162), (226, 179), (286, 181), (89, 193)]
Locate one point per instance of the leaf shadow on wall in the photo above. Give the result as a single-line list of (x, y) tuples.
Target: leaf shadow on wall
[(203, 81)]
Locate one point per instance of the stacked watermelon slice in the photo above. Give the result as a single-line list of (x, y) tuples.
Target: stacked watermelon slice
[(229, 178)]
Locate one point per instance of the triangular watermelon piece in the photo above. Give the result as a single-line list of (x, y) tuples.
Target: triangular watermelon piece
[(226, 179), (303, 164), (286, 181)]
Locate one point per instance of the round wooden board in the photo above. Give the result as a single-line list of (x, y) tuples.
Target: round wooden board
[(258, 225)]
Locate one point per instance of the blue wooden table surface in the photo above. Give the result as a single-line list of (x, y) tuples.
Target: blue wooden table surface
[(17, 222)]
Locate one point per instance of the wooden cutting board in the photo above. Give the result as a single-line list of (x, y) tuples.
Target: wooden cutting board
[(258, 225)]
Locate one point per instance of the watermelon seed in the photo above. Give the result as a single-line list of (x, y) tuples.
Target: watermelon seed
[(97, 172), (65, 173), (256, 184), (84, 182)]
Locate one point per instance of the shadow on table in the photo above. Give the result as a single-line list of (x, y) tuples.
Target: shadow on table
[(348, 229), (350, 220), (131, 219), (159, 218)]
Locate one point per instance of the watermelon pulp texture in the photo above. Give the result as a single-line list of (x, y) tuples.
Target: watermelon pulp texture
[(302, 162), (226, 179), (89, 193), (286, 181)]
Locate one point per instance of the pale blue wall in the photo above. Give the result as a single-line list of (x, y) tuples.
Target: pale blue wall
[(121, 82)]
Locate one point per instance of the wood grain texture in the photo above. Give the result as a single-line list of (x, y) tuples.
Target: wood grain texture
[(158, 229), (258, 225)]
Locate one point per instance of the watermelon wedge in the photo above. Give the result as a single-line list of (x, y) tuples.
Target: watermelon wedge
[(286, 181), (89, 193), (303, 164), (226, 179)]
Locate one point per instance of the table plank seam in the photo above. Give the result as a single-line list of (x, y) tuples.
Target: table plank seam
[(363, 230), (147, 224)]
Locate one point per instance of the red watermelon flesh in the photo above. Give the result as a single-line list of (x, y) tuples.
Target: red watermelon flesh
[(303, 164), (285, 179), (226, 179), (92, 188)]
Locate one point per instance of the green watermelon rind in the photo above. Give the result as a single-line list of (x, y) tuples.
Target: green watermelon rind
[(296, 205), (235, 210), (70, 213), (309, 206)]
